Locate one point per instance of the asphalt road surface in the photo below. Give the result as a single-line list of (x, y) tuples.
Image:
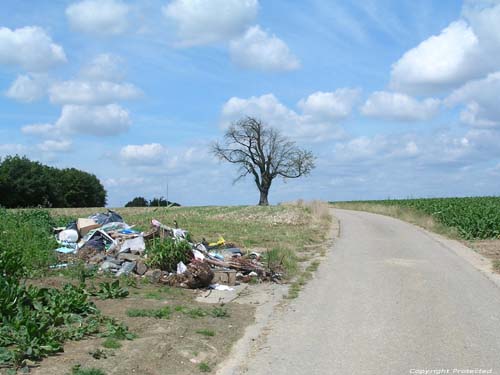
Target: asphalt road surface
[(390, 299)]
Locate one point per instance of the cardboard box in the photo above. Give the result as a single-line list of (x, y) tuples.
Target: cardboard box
[(86, 225), (224, 277)]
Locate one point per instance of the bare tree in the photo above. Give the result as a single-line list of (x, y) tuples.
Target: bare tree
[(262, 152)]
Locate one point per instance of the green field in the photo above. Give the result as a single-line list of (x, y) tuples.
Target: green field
[(471, 217)]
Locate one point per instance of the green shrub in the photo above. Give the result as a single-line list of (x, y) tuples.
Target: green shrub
[(166, 253), (111, 290), (26, 243)]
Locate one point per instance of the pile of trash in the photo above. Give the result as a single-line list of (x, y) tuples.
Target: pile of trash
[(104, 241)]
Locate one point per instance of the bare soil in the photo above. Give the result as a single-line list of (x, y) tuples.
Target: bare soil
[(487, 248)]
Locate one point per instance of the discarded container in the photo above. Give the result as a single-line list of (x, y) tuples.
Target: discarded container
[(68, 235), (227, 277), (86, 225)]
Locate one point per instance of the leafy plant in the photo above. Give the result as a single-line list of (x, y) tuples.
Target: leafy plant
[(111, 343), (220, 312), (111, 290), (204, 367), (78, 370), (166, 253)]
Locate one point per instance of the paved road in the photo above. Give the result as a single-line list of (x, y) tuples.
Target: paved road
[(390, 299)]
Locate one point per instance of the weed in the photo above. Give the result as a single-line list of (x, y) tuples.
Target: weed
[(118, 331), (220, 312), (111, 343), (98, 354), (153, 295), (78, 370), (280, 259), (166, 253), (496, 265), (206, 332), (163, 313), (204, 367), (111, 290)]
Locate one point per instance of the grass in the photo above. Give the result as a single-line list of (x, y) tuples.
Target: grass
[(111, 343), (204, 367), (206, 332), (162, 313), (78, 370), (496, 265)]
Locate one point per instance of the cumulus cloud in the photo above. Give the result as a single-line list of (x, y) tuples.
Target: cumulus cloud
[(30, 48), (82, 92), (333, 106), (481, 99), (105, 17), (269, 109), (147, 154), (52, 145), (468, 48), (201, 22), (28, 87), (399, 107), (104, 67), (256, 49), (437, 63), (106, 120)]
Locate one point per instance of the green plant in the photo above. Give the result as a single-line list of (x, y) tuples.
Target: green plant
[(166, 253), (206, 332), (111, 343), (219, 312), (496, 265), (204, 367), (111, 290), (280, 260), (163, 313), (118, 331), (78, 370)]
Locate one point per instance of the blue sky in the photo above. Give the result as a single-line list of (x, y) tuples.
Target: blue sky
[(395, 98)]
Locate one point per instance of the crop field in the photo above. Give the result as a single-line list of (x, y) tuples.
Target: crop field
[(472, 218), (97, 323)]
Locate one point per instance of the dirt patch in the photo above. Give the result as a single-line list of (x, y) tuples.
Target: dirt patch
[(489, 249), (163, 346)]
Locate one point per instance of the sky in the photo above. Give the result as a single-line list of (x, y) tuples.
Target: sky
[(395, 98)]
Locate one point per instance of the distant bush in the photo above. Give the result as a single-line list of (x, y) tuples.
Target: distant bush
[(155, 202), (26, 183)]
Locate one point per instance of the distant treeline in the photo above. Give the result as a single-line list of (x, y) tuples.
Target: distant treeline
[(155, 202), (26, 183)]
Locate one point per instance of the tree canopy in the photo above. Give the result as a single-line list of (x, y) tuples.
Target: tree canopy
[(263, 153), (26, 183)]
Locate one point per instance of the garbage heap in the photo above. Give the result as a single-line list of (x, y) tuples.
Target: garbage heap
[(105, 242)]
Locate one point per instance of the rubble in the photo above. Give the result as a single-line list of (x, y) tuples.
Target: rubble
[(105, 241)]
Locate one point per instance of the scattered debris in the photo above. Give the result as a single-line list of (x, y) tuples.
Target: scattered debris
[(105, 241)]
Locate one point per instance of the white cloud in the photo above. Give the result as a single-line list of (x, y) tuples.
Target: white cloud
[(399, 107), (95, 120), (28, 87), (271, 111), (30, 48), (121, 182), (438, 62), (147, 154), (330, 105), (105, 120), (12, 149), (104, 67), (51, 145), (481, 99), (38, 130), (105, 17), (82, 92), (468, 48), (200, 22), (258, 50)]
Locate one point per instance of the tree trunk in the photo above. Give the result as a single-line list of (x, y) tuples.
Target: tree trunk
[(263, 197)]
